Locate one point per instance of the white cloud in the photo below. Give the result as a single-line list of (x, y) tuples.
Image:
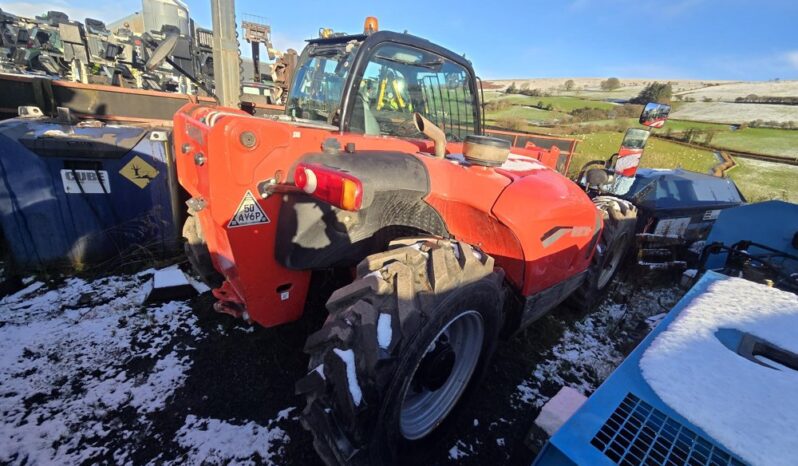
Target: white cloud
[(792, 58)]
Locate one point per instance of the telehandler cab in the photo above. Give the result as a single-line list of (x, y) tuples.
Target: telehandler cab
[(379, 170)]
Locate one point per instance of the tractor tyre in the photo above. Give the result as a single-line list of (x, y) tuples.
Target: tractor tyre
[(403, 346), (197, 252), (615, 242)]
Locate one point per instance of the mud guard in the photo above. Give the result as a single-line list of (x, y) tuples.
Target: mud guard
[(313, 234)]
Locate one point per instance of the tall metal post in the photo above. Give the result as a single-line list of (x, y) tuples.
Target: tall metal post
[(226, 65)]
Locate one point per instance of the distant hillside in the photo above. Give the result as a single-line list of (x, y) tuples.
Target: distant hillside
[(723, 91), (709, 101), (593, 85)]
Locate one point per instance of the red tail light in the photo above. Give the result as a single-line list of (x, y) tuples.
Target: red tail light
[(335, 187)]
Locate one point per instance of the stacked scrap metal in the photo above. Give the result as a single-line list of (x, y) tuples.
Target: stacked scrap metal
[(53, 46)]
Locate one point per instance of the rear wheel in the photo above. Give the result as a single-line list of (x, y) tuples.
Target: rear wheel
[(402, 346), (614, 243)]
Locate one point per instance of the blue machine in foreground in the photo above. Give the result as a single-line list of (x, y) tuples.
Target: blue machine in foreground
[(625, 422), (733, 368), (72, 195), (757, 241)]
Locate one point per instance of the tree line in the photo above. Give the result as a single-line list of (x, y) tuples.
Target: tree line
[(764, 99)]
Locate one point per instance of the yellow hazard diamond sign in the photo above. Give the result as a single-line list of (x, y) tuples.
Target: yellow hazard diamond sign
[(139, 172)]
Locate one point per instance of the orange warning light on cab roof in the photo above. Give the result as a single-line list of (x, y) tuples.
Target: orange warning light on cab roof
[(371, 25)]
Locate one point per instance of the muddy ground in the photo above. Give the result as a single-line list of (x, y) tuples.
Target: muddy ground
[(89, 373)]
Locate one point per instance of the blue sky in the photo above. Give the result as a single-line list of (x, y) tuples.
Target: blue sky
[(701, 39)]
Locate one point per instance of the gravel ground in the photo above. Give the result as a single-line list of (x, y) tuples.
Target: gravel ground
[(90, 373)]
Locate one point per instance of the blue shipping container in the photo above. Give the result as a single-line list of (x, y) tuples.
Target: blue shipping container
[(75, 195)]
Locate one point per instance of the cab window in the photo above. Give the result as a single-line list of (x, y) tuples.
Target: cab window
[(400, 80), (318, 83)]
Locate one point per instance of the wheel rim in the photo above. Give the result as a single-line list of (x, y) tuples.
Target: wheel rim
[(612, 262), (428, 397)]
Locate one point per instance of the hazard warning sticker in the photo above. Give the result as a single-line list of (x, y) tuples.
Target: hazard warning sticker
[(249, 212), (139, 172)]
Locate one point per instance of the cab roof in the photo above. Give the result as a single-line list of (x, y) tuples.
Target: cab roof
[(369, 40)]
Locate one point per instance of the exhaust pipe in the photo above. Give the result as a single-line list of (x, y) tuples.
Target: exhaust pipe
[(433, 132)]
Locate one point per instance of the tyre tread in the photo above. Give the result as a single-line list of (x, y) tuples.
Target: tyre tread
[(404, 282)]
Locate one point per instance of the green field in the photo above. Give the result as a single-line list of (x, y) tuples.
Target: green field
[(757, 180), (769, 141), (658, 154), (681, 125), (622, 93), (524, 110), (762, 181), (627, 122), (524, 113), (561, 104)]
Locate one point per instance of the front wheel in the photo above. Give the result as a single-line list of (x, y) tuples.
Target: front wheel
[(615, 242), (403, 345)]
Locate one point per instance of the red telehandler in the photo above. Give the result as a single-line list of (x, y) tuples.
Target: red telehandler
[(379, 170)]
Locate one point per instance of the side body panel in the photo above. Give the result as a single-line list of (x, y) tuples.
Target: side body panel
[(270, 293), (224, 155), (229, 170), (539, 226), (464, 197), (557, 225)]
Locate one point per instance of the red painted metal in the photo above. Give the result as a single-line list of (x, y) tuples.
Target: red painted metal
[(521, 140), (628, 161), (505, 213)]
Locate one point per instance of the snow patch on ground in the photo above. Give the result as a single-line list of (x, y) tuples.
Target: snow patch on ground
[(654, 320), (734, 113), (169, 277), (198, 285), (76, 358), (749, 408), (460, 450), (731, 90), (213, 441), (588, 352)]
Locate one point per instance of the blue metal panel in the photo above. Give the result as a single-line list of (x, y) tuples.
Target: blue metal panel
[(573, 439), (772, 223), (27, 201), (44, 225)]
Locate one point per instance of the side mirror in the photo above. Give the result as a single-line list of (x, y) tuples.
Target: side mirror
[(165, 48), (654, 115)]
